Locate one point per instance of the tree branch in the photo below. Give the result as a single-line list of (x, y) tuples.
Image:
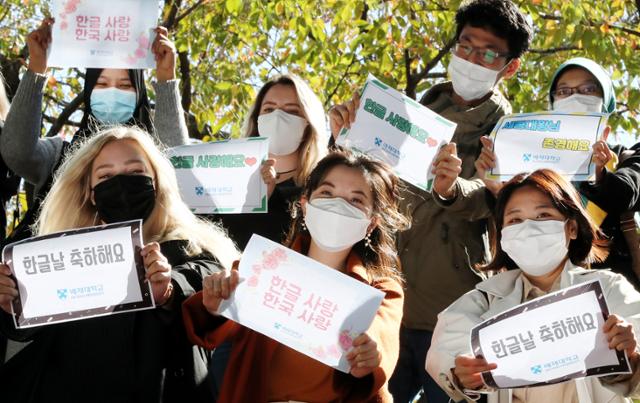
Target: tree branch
[(344, 76), (51, 119), (65, 114), (189, 11), (414, 79), (551, 51), (170, 21)]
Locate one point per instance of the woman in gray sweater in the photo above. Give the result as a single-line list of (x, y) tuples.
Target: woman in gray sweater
[(35, 158)]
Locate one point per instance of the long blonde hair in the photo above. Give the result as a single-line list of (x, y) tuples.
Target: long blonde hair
[(4, 101), (314, 143), (68, 205)]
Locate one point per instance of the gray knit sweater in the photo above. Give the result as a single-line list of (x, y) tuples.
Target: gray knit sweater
[(34, 158)]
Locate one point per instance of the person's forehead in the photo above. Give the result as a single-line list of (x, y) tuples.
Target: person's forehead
[(349, 178), (280, 93), (125, 149), (527, 196), (575, 76), (115, 74), (483, 37)]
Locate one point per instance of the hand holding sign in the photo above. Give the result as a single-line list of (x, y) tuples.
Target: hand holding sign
[(364, 357), (342, 115), (38, 42), (217, 287), (486, 162), (8, 289), (602, 154), (164, 52), (447, 167), (468, 370), (269, 174), (158, 272), (620, 335)]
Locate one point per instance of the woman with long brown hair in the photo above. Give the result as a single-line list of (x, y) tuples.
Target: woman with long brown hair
[(346, 219)]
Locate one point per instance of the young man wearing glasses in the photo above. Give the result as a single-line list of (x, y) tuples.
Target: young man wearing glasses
[(446, 241)]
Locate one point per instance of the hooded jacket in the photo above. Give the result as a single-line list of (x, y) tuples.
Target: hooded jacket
[(609, 94)]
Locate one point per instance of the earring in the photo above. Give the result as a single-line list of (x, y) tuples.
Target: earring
[(367, 242), (303, 225)]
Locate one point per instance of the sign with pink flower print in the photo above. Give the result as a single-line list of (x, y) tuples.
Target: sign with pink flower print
[(301, 303), (103, 34)]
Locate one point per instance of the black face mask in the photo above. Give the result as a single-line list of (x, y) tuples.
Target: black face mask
[(124, 198)]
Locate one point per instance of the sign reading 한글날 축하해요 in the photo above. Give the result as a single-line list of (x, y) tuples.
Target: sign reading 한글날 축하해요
[(78, 274), (551, 339)]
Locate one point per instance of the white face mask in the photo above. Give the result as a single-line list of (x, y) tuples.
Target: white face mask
[(579, 103), (471, 81), (537, 247), (334, 224), (284, 130)]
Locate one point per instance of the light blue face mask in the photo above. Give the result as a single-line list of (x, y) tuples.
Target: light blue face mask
[(111, 105)]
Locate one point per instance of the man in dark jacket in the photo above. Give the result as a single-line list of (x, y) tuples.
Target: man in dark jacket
[(448, 233)]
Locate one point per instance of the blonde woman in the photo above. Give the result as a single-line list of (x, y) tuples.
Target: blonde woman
[(116, 175), (291, 115)]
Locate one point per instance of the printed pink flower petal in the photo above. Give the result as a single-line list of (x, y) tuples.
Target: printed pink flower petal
[(141, 53), (270, 263), (345, 340), (64, 25), (256, 268), (319, 351), (280, 254), (143, 41), (253, 281), (332, 350)]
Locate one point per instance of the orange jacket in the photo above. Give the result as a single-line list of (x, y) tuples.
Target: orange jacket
[(246, 374)]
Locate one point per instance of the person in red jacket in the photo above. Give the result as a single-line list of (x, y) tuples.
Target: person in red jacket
[(346, 219)]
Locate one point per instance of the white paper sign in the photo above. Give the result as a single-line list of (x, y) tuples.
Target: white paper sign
[(301, 303), (553, 140), (222, 177), (396, 129), (548, 340), (103, 34), (78, 274)]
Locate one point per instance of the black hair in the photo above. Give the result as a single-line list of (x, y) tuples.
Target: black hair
[(502, 18), (141, 114)]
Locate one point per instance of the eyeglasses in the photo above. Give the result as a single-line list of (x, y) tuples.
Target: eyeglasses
[(584, 89), (487, 56)]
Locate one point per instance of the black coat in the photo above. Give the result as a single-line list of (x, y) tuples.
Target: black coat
[(273, 225), (130, 357), (617, 193)]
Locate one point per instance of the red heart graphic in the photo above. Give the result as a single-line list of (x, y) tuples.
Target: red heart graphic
[(431, 142), (250, 161)]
